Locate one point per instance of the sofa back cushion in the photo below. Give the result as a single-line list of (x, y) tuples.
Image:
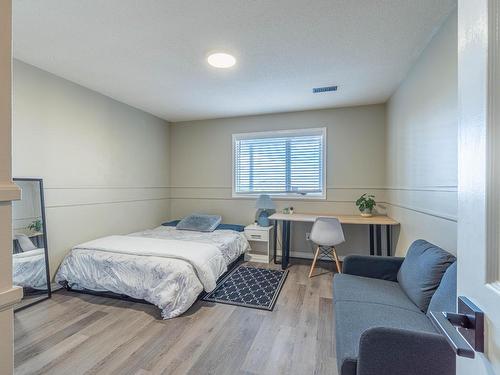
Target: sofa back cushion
[(445, 297), (422, 270)]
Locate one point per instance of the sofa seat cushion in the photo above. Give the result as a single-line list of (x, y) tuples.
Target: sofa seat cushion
[(363, 289), (352, 318)]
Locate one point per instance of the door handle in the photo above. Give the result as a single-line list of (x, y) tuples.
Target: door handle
[(464, 330)]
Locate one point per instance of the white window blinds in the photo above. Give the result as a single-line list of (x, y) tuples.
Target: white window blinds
[(284, 162)]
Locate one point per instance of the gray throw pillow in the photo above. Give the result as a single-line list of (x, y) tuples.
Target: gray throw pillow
[(445, 298), (422, 270), (199, 222)]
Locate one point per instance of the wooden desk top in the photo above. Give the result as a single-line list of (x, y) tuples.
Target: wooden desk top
[(344, 219)]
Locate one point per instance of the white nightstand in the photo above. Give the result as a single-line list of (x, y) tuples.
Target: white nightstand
[(260, 239)]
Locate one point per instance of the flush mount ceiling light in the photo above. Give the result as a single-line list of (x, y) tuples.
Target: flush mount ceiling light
[(221, 60)]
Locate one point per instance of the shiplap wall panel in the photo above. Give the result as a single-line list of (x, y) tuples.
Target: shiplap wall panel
[(422, 162), (105, 165), (200, 154)]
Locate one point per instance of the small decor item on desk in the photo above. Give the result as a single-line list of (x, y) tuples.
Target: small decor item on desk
[(265, 208), (366, 203), (287, 210)]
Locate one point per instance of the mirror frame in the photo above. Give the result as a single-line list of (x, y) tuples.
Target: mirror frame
[(45, 242)]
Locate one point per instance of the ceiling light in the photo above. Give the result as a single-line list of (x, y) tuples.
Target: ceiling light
[(221, 60)]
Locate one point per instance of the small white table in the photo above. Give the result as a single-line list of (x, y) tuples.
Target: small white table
[(260, 239)]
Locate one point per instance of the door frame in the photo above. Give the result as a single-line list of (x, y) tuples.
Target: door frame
[(479, 171)]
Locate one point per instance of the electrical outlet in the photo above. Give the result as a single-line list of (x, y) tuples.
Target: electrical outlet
[(308, 236)]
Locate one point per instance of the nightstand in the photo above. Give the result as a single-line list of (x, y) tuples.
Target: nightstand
[(260, 239)]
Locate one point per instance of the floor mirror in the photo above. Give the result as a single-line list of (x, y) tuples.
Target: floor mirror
[(30, 260)]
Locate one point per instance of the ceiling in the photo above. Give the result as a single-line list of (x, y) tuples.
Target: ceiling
[(151, 54)]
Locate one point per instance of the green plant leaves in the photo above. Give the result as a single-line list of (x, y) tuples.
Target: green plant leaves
[(366, 202)]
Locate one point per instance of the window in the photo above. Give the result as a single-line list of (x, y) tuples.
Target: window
[(286, 163)]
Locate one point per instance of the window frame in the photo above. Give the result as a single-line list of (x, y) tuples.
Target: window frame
[(275, 134)]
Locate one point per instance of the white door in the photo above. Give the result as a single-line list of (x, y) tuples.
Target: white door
[(479, 173)]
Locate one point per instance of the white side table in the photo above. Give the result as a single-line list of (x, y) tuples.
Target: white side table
[(260, 239)]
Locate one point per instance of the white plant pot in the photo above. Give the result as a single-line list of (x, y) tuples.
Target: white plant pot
[(367, 213)]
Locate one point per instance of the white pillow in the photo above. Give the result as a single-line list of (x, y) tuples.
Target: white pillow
[(25, 242)]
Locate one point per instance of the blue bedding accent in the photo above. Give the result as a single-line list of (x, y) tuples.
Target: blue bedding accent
[(172, 223), (235, 227), (200, 222)]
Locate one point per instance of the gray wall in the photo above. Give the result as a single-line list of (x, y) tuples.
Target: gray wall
[(104, 164), (422, 123), (28, 208), (200, 169)]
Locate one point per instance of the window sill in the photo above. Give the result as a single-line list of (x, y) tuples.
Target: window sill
[(286, 197)]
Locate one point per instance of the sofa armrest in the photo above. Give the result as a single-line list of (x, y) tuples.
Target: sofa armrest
[(376, 267), (398, 351)]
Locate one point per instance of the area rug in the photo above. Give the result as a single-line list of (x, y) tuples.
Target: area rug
[(246, 286)]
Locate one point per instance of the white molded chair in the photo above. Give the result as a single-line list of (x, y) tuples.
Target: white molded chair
[(326, 233)]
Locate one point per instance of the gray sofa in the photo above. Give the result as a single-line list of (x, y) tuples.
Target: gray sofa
[(381, 308)]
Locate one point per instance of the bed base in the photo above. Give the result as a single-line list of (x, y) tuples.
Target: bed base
[(125, 297)]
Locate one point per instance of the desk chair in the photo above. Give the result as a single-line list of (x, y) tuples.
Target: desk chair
[(326, 233)]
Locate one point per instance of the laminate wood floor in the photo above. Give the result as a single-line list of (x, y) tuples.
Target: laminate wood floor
[(74, 334)]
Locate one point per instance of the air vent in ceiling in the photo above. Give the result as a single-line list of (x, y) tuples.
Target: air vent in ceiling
[(324, 89)]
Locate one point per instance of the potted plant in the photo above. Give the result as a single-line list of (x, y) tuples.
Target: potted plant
[(365, 204), (36, 225)]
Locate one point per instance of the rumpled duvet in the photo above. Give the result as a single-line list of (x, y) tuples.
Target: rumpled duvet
[(160, 266), (206, 259), (28, 269)]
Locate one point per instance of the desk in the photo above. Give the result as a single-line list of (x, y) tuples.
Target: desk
[(375, 224)]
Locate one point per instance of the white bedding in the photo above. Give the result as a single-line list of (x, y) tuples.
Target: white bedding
[(28, 269), (166, 267)]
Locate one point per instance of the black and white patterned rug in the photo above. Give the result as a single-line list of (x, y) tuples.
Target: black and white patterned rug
[(250, 287)]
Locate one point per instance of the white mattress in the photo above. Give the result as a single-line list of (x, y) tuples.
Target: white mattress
[(171, 284)]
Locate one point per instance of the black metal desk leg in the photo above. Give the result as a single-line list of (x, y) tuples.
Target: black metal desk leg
[(388, 229), (283, 243), (286, 244), (378, 229), (372, 240), (275, 239), (288, 239)]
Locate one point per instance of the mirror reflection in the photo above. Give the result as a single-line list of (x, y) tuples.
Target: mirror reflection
[(29, 243)]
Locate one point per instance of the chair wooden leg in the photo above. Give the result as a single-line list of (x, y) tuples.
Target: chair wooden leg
[(316, 255), (334, 252)]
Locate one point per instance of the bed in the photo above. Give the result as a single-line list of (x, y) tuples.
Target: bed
[(164, 266)]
